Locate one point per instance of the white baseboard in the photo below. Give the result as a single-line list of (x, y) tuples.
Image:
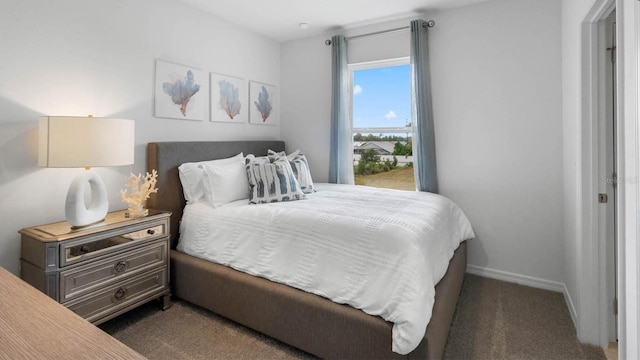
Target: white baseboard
[(526, 281), (572, 308)]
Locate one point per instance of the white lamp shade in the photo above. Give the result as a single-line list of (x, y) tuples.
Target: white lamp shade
[(67, 141)]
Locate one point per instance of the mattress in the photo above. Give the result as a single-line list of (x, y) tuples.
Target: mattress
[(378, 250)]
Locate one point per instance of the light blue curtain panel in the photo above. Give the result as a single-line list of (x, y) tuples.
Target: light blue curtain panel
[(423, 137), (341, 153)]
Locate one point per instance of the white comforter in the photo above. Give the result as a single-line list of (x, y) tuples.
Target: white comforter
[(378, 250)]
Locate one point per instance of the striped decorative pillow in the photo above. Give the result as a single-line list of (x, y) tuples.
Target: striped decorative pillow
[(272, 182), (300, 167)]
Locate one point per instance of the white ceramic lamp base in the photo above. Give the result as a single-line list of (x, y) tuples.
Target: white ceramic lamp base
[(76, 211)]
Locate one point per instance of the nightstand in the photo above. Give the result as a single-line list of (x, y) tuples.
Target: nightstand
[(103, 270)]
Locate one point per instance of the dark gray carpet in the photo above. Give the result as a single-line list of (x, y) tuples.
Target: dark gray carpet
[(186, 331), (494, 320), (499, 320)]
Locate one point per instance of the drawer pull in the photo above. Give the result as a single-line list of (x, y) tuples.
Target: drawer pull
[(84, 249), (120, 294), (121, 266), (151, 231)]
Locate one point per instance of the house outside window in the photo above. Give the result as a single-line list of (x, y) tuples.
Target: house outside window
[(381, 123)]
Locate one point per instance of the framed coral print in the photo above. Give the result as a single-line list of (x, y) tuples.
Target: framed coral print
[(180, 91), (263, 104), (228, 99)]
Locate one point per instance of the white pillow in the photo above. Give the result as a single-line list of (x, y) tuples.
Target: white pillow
[(191, 176), (225, 183)]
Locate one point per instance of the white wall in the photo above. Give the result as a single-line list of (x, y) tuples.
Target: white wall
[(305, 105), (497, 106), (573, 12), (78, 57)]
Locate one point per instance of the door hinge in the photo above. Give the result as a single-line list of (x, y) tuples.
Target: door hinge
[(614, 180), (603, 198), (615, 306), (613, 52)]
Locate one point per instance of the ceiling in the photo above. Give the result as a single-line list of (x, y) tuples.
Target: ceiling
[(279, 19)]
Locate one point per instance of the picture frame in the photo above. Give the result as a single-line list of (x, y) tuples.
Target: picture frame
[(180, 91), (228, 99), (263, 102)]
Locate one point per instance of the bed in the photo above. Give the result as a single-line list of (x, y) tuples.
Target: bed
[(304, 320)]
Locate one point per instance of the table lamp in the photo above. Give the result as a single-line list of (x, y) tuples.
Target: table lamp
[(69, 142)]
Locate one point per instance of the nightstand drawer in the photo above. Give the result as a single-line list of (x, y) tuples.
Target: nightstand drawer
[(77, 251), (121, 295), (154, 231), (81, 280)]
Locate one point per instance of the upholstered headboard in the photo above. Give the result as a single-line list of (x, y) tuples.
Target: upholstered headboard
[(165, 157)]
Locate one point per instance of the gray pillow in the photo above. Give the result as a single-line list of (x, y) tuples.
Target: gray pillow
[(300, 167), (272, 182)]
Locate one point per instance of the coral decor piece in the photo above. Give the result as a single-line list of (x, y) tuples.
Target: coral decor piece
[(139, 190), (229, 98), (181, 91), (263, 104)]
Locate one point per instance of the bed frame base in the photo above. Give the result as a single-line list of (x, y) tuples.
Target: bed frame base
[(307, 321)]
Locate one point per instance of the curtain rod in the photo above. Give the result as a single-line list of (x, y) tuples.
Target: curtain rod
[(430, 23)]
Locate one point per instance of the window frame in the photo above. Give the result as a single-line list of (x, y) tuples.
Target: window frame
[(351, 68)]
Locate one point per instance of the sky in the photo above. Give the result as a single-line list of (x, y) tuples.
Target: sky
[(382, 97)]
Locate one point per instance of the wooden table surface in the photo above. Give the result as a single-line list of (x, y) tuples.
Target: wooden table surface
[(34, 326)]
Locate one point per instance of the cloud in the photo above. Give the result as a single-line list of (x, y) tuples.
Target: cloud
[(391, 115), (357, 89)]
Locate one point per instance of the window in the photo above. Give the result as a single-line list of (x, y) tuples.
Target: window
[(381, 124)]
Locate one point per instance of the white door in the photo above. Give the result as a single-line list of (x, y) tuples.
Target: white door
[(607, 144)]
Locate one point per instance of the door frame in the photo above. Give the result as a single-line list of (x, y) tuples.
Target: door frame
[(592, 260), (592, 310), (629, 250)]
